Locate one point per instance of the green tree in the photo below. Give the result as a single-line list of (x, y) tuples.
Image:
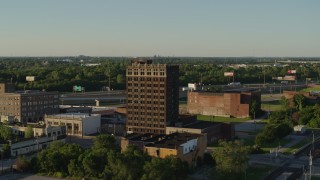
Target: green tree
[(168, 168), (159, 169), (254, 106), (5, 133), (120, 79), (55, 159), (29, 132), (231, 158), (314, 123), (278, 117), (284, 103), (94, 162), (104, 141), (127, 165), (272, 132), (75, 168), (299, 101)]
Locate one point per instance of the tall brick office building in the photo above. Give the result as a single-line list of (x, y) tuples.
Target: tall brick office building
[(152, 96), (27, 106)]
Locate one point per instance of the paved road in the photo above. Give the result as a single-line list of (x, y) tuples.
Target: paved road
[(250, 125), (24, 176)]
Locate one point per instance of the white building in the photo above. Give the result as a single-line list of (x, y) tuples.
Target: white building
[(192, 86), (38, 130), (299, 129), (78, 124), (50, 134)]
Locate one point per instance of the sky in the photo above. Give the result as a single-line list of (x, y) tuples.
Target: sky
[(205, 28)]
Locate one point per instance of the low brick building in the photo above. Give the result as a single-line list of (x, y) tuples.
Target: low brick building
[(186, 146), (228, 104), (213, 130)]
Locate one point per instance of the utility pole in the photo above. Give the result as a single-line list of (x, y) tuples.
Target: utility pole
[(233, 77), (109, 79), (254, 120), (310, 164), (303, 171), (312, 141), (264, 75)]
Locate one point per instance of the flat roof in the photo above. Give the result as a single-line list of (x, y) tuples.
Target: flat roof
[(239, 90), (201, 125), (72, 115), (148, 137), (174, 140), (28, 92)]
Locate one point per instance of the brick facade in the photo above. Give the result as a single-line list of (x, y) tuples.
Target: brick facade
[(27, 106), (231, 104), (152, 96)]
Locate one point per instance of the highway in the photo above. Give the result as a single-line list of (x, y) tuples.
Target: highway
[(119, 96), (89, 98)]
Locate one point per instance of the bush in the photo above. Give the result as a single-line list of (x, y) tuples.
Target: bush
[(314, 123), (255, 149), (260, 139), (22, 164), (58, 174), (208, 159), (199, 161), (272, 132)]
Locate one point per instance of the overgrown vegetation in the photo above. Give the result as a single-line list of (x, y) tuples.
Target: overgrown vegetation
[(231, 160)]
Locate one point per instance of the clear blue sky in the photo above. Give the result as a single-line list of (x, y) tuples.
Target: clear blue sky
[(160, 27)]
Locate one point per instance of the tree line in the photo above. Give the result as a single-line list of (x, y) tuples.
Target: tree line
[(102, 161), (59, 74)]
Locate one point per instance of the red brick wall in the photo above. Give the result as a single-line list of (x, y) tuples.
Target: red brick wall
[(205, 103), (219, 104)]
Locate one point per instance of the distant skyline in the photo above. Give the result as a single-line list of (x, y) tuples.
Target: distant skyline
[(207, 28)]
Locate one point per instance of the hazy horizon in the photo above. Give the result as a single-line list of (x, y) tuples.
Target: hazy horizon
[(247, 28)]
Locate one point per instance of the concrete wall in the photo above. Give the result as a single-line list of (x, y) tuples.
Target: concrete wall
[(192, 156), (32, 145), (170, 130), (87, 124), (91, 124), (189, 146)]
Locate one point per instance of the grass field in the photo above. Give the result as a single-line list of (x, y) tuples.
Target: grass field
[(316, 88), (271, 105), (252, 173), (267, 146), (221, 119), (297, 146), (256, 173)]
